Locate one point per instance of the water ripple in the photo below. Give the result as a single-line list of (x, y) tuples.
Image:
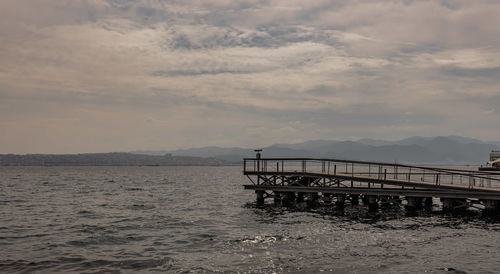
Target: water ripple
[(200, 219)]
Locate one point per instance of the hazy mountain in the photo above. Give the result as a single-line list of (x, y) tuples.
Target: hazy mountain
[(464, 140), (309, 145), (417, 149), (374, 142)]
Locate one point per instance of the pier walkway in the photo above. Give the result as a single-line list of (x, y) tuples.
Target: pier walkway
[(287, 180)]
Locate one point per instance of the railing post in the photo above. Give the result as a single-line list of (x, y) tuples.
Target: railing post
[(282, 165), (277, 167), (385, 177), (335, 170), (244, 165), (328, 167), (352, 174)]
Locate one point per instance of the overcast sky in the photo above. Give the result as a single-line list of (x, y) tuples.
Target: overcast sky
[(122, 75)]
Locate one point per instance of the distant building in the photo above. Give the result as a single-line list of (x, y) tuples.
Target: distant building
[(494, 155)]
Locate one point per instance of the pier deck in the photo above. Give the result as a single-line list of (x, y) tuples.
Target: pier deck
[(336, 177)]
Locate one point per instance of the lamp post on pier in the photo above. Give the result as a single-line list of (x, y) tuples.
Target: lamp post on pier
[(257, 157)]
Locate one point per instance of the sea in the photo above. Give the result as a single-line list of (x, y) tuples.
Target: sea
[(201, 220)]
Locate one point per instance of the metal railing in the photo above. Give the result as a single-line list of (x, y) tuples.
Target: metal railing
[(373, 170)]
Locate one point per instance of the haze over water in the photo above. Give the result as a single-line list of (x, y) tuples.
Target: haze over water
[(199, 219)]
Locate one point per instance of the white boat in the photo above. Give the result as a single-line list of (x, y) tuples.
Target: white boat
[(494, 163)]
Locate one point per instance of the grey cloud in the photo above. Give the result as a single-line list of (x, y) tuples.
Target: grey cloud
[(473, 72), (174, 73), (266, 37), (322, 69)]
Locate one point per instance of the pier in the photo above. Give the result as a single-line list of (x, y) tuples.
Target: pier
[(336, 182)]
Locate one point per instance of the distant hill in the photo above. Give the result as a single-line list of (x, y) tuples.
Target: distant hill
[(430, 150), (106, 159)]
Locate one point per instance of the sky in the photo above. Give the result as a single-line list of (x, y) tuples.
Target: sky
[(122, 75)]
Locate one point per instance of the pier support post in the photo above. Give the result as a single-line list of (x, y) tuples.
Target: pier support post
[(340, 200), (284, 199), (428, 202), (364, 198), (260, 197), (300, 197), (491, 206), (313, 199), (288, 199), (413, 203), (354, 199), (327, 198), (372, 203), (277, 198), (447, 204)]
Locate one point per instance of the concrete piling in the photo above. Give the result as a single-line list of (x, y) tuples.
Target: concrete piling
[(447, 204), (354, 199), (327, 198), (260, 197), (364, 198), (277, 198), (340, 202), (413, 203), (300, 197), (372, 203), (428, 202), (312, 200), (288, 199), (491, 206)]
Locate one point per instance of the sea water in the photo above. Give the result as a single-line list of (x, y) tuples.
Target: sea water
[(201, 220)]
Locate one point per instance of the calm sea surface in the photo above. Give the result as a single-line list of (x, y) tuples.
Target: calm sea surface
[(199, 219)]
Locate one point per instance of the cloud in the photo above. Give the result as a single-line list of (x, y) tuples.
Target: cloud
[(188, 70)]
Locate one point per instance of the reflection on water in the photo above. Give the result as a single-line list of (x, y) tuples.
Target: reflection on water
[(199, 219)]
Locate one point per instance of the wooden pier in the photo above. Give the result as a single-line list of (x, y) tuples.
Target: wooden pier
[(292, 181)]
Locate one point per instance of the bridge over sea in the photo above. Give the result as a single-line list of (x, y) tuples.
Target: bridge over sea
[(292, 181)]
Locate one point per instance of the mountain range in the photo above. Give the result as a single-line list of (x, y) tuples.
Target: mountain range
[(429, 150)]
